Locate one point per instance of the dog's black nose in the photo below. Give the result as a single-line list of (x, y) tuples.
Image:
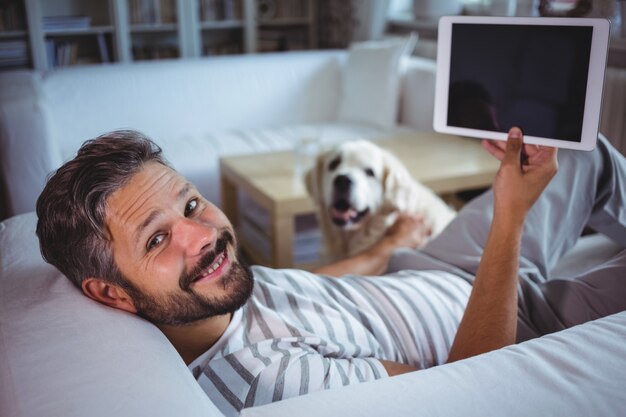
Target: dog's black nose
[(342, 183), (341, 205)]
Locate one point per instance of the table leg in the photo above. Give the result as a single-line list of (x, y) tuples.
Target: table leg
[(229, 201), (282, 241)]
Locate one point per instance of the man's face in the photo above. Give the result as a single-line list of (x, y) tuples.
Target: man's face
[(175, 248)]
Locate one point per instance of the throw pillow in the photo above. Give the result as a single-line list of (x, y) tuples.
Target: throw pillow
[(371, 81)]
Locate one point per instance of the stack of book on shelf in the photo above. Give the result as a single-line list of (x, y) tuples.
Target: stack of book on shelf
[(270, 10), (254, 228), (141, 53), (145, 12), (211, 10), (62, 53), (65, 23), (228, 48), (13, 53), (284, 39)]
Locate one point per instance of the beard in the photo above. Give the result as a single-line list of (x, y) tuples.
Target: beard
[(188, 306)]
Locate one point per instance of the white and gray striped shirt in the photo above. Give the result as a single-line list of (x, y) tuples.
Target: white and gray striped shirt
[(301, 332)]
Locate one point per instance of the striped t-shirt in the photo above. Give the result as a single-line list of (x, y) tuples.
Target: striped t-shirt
[(301, 332)]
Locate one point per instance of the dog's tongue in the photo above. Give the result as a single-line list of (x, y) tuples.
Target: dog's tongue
[(346, 216)]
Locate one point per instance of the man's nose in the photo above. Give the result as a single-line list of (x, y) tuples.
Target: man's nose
[(195, 238)]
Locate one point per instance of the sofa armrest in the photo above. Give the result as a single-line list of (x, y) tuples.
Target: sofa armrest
[(27, 155), (576, 372), (417, 95)]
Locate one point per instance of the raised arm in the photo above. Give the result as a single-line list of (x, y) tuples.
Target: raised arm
[(490, 319)]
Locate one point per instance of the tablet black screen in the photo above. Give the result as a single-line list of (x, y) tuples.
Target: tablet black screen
[(530, 76)]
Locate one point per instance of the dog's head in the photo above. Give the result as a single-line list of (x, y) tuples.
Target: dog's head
[(352, 182)]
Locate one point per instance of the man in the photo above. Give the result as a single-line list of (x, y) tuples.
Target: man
[(135, 235)]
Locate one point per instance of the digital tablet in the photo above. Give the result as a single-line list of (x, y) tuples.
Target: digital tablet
[(544, 75)]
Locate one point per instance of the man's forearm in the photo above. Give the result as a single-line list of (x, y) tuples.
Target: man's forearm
[(490, 319), (373, 261)]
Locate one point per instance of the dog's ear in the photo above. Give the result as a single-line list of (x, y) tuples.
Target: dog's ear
[(396, 180), (314, 186), (313, 179)]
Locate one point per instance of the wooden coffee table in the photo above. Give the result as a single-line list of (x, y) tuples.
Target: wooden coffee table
[(447, 164)]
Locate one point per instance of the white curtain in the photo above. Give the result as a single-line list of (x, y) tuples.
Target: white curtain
[(613, 119)]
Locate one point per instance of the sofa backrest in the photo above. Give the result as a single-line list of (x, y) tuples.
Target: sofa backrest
[(192, 97)]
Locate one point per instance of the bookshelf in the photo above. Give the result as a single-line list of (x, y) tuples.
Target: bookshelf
[(154, 29), (46, 34), (286, 25), (225, 27), (14, 43)]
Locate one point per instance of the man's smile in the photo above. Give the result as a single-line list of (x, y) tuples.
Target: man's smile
[(212, 265), (215, 270)]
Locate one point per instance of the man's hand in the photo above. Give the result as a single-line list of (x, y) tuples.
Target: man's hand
[(408, 231), (524, 173)]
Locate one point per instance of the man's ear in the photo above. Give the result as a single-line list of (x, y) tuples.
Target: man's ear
[(108, 294)]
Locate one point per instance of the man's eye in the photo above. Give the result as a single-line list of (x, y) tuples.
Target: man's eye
[(191, 206), (155, 241)]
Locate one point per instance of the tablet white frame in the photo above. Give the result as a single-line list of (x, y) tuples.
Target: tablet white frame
[(595, 79)]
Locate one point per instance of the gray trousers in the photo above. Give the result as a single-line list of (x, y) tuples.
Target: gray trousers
[(588, 190)]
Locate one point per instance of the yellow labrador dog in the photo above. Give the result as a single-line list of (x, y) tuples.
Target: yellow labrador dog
[(359, 189)]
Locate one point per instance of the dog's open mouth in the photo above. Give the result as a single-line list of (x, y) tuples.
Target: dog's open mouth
[(343, 214)]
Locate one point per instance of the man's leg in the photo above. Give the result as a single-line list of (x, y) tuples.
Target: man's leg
[(562, 302), (590, 188), (598, 199)]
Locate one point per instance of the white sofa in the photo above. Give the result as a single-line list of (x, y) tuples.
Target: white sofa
[(197, 110), (62, 354)]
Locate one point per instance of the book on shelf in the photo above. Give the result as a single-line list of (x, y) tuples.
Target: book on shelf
[(13, 53), (141, 53), (61, 54), (51, 53), (306, 249), (255, 228), (62, 23), (143, 12), (103, 49), (227, 48), (270, 10), (212, 10), (280, 40)]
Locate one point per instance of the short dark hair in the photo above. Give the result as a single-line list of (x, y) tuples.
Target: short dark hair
[(71, 210)]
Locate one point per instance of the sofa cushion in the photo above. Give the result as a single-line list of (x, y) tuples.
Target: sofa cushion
[(371, 84)]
